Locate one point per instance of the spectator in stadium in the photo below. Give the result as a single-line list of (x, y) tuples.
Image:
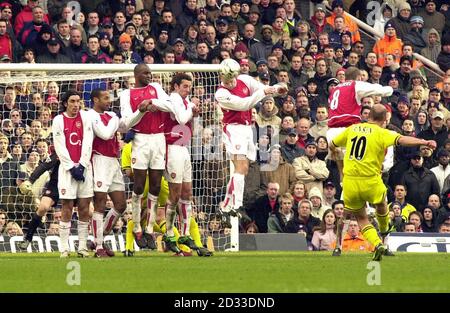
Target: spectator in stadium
[(318, 22), (268, 114), (420, 182), (309, 169), (277, 221), (433, 48), (53, 229), (27, 15), (77, 47), (389, 44), (444, 228), (303, 223), (265, 205), (353, 240), (278, 170), (329, 193), (437, 132), (443, 59), (299, 193), (321, 122), (409, 228), (316, 198), (433, 18), (255, 185), (289, 149), (27, 34), (429, 223), (3, 221), (125, 45), (324, 237), (387, 13), (416, 219), (416, 36), (262, 49), (442, 170), (94, 54), (53, 53), (13, 229)]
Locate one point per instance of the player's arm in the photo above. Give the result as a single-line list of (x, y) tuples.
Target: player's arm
[(229, 101), (413, 142), (101, 130), (59, 140), (129, 118), (88, 139), (255, 85), (363, 89), (181, 113), (162, 103)]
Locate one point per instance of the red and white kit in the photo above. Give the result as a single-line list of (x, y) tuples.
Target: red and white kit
[(73, 137), (178, 132), (149, 145), (236, 105), (108, 175), (345, 104)]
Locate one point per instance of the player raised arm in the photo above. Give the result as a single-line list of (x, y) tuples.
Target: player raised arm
[(363, 89)]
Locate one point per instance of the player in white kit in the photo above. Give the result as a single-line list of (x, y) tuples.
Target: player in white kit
[(236, 96), (73, 136), (108, 177)]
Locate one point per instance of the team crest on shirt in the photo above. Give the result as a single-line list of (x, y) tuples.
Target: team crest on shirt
[(133, 160), (173, 175), (238, 147), (47, 192), (63, 191), (78, 124), (152, 93), (245, 90), (99, 184)]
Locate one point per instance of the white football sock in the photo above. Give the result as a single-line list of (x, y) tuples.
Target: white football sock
[(97, 229)]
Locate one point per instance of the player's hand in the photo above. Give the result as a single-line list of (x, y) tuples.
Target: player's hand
[(282, 89), (25, 187), (195, 111), (195, 101), (129, 136), (143, 106), (77, 172), (270, 90), (431, 144)]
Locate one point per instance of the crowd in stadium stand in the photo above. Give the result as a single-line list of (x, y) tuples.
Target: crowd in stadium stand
[(272, 42)]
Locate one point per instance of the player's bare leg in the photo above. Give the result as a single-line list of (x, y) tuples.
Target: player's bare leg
[(370, 234), (44, 206), (154, 177), (83, 226)]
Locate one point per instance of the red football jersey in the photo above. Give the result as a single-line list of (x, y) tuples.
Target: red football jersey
[(343, 109), (238, 117), (151, 122), (175, 133), (110, 147), (73, 131)]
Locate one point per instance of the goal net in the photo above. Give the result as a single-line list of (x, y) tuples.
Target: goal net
[(31, 93)]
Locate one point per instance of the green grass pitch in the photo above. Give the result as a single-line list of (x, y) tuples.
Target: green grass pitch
[(227, 272)]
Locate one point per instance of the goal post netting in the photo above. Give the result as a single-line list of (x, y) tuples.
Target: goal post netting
[(37, 90)]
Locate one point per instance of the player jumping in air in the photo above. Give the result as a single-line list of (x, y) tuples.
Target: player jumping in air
[(236, 96)]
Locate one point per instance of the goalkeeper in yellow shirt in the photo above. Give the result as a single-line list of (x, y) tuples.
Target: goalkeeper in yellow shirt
[(160, 225)]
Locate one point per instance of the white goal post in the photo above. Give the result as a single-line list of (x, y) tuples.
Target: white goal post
[(210, 165)]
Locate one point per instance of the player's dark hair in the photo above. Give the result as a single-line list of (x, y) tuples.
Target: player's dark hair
[(67, 95), (364, 107), (178, 78), (96, 94), (352, 73)]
